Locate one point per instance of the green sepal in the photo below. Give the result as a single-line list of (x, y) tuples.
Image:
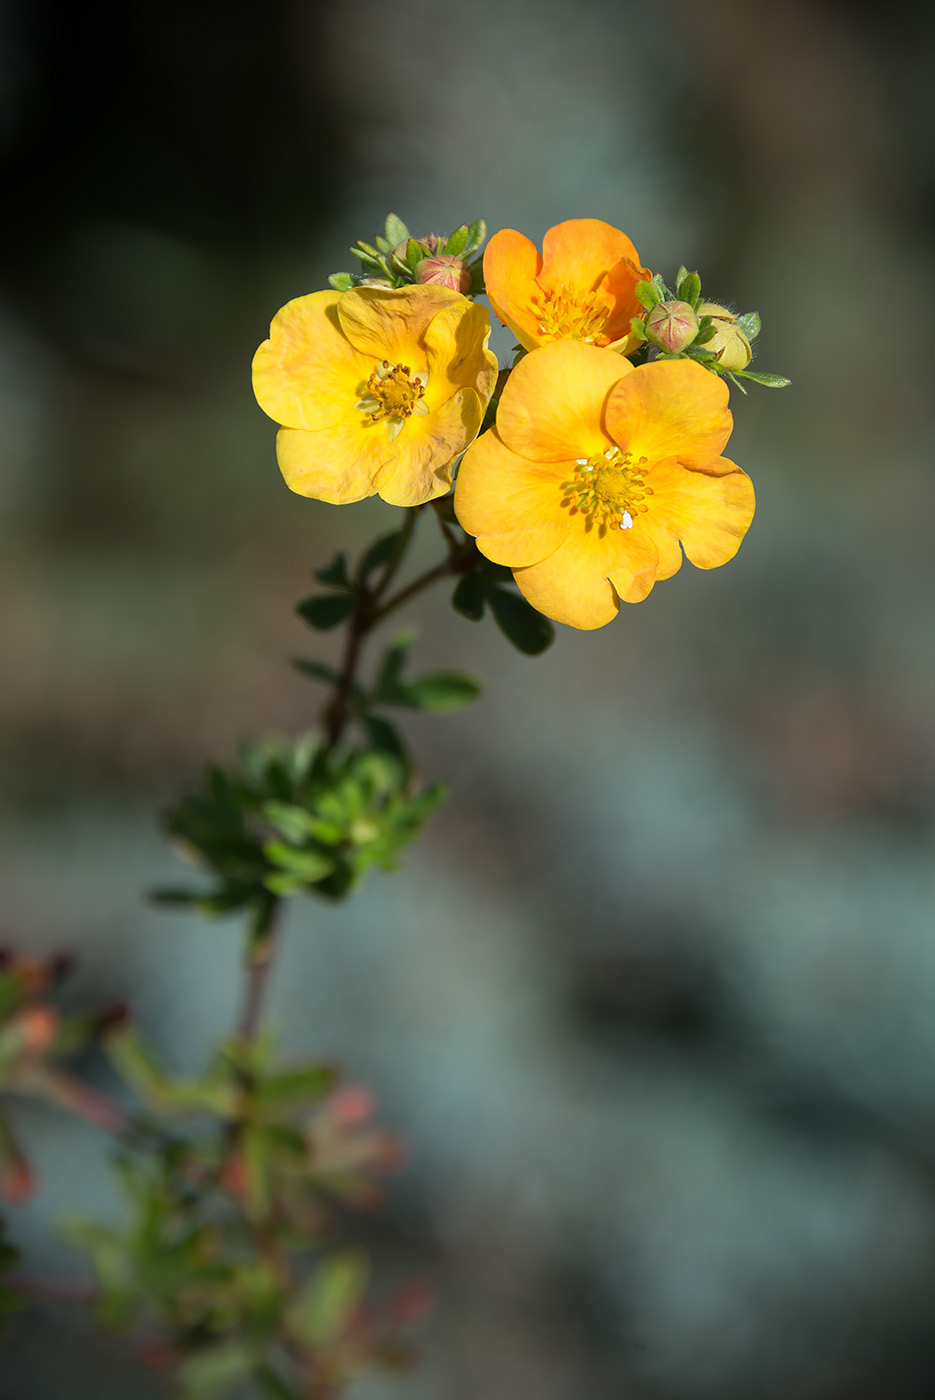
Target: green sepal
[(707, 330), (396, 231), (528, 630), (468, 598), (750, 324), (343, 281), (648, 295), (638, 328), (327, 610)]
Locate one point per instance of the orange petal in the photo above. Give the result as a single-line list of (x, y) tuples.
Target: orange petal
[(620, 286), (511, 265), (511, 505), (582, 582), (426, 449), (390, 322), (458, 358), (308, 375), (708, 506), (577, 255), (670, 408), (334, 464), (552, 407)]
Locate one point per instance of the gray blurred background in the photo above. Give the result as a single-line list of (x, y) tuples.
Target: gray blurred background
[(652, 1002)]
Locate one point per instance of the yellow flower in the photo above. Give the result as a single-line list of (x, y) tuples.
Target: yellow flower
[(581, 287), (594, 473), (378, 390)]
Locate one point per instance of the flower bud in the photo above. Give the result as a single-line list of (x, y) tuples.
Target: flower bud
[(730, 346), (444, 270), (672, 325)]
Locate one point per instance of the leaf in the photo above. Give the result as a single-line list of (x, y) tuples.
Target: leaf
[(749, 323), (326, 1306), (439, 691), (335, 575), (293, 822), (638, 328), (769, 381), (468, 598), (343, 281), (476, 234), (456, 241), (680, 278), (396, 231), (690, 289), (273, 1386), (317, 669), (384, 737), (391, 668), (648, 295), (528, 630), (295, 1089), (377, 554), (707, 331), (327, 610), (309, 865), (414, 254), (214, 1371)]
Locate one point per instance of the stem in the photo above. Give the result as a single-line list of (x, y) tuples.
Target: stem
[(79, 1098), (262, 942)]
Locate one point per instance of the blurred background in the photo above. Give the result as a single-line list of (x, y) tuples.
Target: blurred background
[(652, 1002)]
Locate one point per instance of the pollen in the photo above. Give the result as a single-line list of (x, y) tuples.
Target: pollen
[(393, 394), (563, 317), (609, 490)]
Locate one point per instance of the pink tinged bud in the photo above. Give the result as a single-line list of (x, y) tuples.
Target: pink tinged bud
[(672, 325), (444, 270), (352, 1105)]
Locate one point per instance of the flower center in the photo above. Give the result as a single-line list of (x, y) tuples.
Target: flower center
[(608, 489), (392, 394), (561, 317)]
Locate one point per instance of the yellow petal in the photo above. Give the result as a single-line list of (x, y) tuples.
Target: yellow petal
[(670, 408), (707, 505), (511, 505), (578, 253), (390, 322), (511, 265), (458, 358), (308, 375), (582, 583), (426, 449), (334, 464), (552, 407)]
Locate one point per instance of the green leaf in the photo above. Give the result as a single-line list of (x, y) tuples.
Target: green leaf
[(648, 295), (293, 822), (528, 630), (680, 278), (749, 323), (707, 330), (371, 259), (414, 254), (273, 1386), (388, 680), (335, 575), (690, 289), (214, 1372), (326, 1306), (298, 1088), (396, 231), (769, 381), (441, 690), (317, 669), (343, 281), (638, 328), (308, 865), (377, 554), (326, 610), (476, 234), (456, 241), (384, 737), (468, 598)]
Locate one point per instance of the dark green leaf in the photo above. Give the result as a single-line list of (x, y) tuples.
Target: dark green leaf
[(707, 331), (468, 597), (749, 323), (457, 241), (325, 610), (520, 623), (273, 1386), (318, 669), (335, 575), (396, 231), (307, 865), (384, 737), (387, 687), (377, 554), (441, 690)]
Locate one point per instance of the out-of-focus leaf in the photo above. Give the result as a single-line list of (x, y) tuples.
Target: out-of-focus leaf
[(468, 597), (335, 575), (215, 1371), (377, 554), (327, 610), (439, 691), (295, 1089), (327, 1304), (520, 623)]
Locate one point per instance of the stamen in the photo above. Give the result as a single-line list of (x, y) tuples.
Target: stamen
[(608, 490), (393, 393), (563, 317)]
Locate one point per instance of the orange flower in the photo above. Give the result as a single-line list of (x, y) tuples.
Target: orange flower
[(594, 473), (378, 390), (581, 287)]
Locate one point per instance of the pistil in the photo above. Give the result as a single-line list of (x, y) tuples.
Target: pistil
[(609, 490), (393, 394)]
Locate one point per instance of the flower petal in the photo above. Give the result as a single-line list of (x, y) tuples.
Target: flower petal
[(620, 287), (578, 253), (552, 407), (458, 358), (706, 505), (426, 449), (512, 506), (511, 265), (390, 322), (670, 408), (334, 464), (582, 583), (308, 375)]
